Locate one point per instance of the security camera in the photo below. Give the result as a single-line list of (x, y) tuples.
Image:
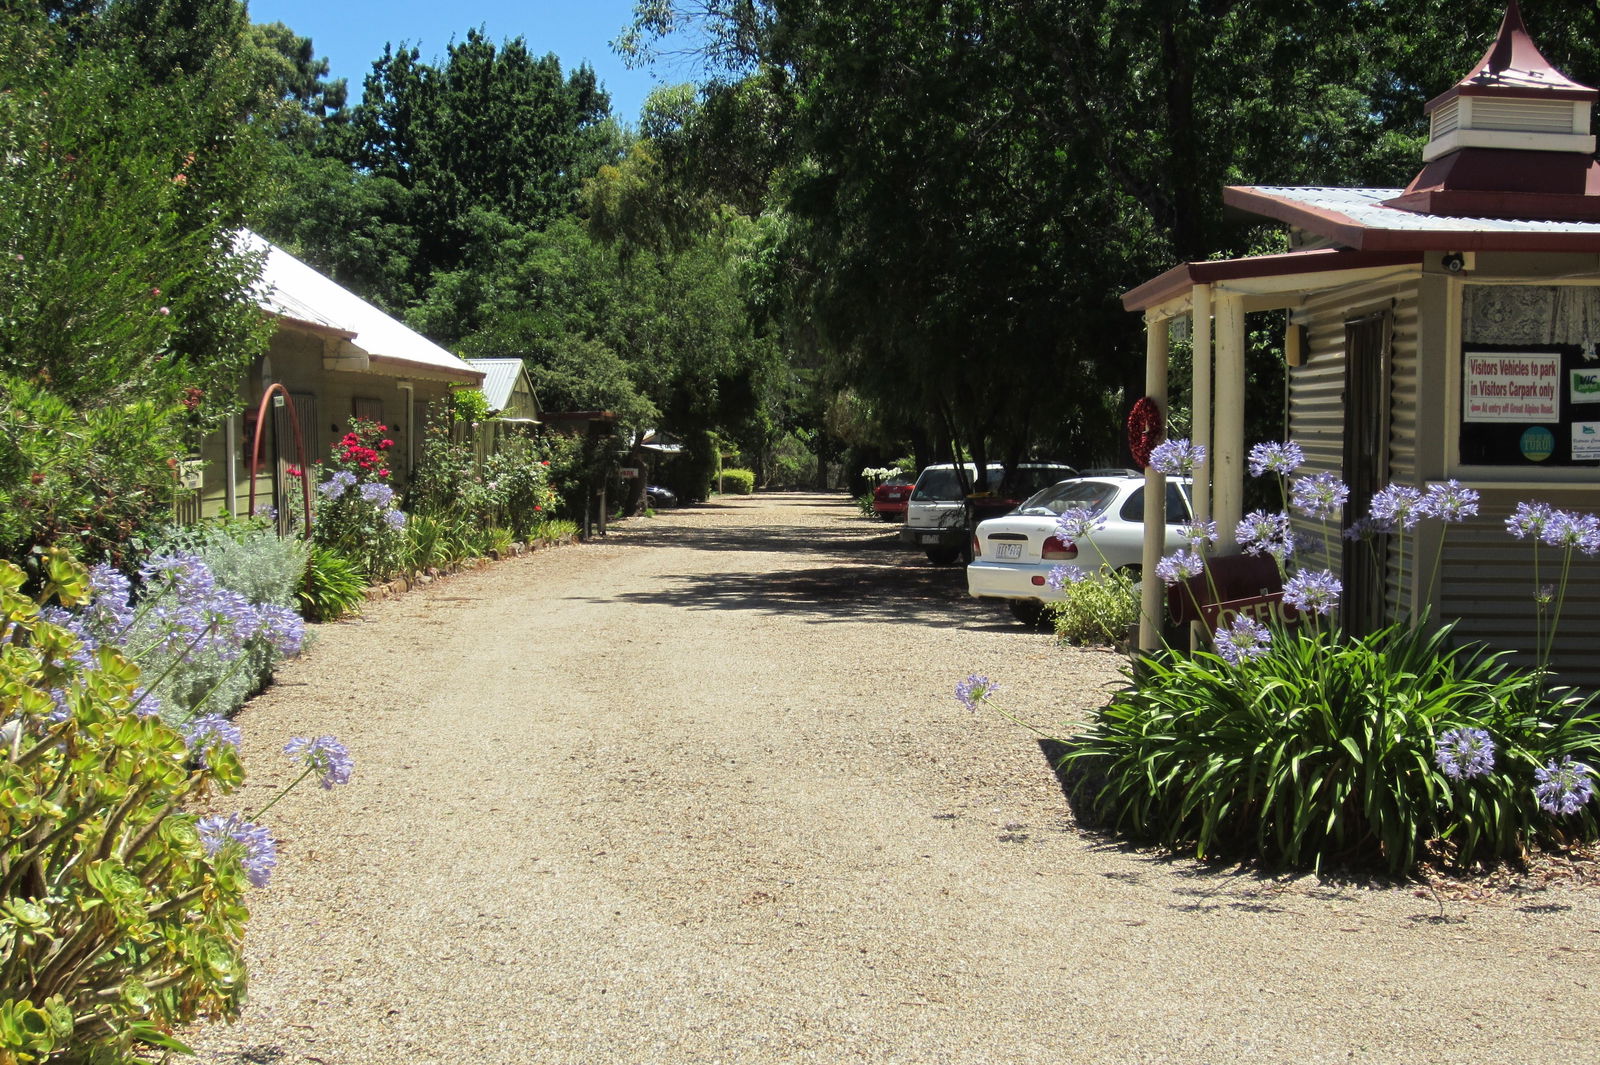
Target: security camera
[(1454, 262)]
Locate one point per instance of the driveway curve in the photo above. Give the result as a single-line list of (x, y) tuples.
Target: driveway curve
[(699, 792)]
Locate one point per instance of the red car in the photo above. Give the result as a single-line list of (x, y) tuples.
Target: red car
[(889, 498)]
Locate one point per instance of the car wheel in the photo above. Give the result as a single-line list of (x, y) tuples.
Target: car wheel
[(1028, 611), (943, 556)]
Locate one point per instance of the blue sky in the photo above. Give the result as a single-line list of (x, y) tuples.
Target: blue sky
[(350, 34)]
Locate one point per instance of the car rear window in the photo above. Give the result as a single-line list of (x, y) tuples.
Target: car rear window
[(1027, 480), (938, 486), (1093, 496)]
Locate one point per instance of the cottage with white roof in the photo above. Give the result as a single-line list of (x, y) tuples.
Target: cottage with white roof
[(337, 356), (1446, 330)]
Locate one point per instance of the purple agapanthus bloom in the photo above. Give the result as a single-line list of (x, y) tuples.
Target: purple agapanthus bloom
[(1313, 591), (377, 492), (1078, 523), (1398, 506), (1177, 458), (975, 689), (396, 519), (324, 754), (1061, 576), (282, 628), (338, 482), (1261, 533), (111, 611), (1281, 459), (147, 705), (1180, 566), (209, 732), (1322, 495), (183, 572), (1563, 789), (1450, 502), (1568, 530), (260, 854), (266, 512), (1366, 529), (1198, 532), (1529, 519), (1464, 753), (1243, 641)]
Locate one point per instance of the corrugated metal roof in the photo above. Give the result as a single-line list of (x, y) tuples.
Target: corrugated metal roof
[(499, 380), (1359, 219), (291, 289)]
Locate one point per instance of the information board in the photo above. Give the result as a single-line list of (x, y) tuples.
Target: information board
[(1529, 405)]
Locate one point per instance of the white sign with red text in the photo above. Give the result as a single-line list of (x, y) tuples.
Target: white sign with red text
[(1511, 387)]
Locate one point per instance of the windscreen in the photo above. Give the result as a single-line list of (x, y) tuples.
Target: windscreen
[(1069, 495), (938, 486)]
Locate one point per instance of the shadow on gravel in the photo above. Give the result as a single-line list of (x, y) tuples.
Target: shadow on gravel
[(781, 539)]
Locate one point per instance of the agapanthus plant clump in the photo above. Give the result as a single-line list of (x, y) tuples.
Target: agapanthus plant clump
[(122, 911), (201, 647), (1308, 745), (357, 511)]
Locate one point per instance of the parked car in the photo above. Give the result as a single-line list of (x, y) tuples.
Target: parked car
[(1012, 556), (889, 498), (660, 498), (942, 511)]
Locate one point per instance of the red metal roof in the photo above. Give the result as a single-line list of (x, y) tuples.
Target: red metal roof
[(1513, 67)]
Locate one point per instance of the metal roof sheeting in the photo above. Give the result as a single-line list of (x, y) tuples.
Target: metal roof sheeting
[(292, 290), (499, 380)]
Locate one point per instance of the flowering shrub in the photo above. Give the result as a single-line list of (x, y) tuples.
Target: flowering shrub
[(1309, 745), (523, 492), (205, 646), (357, 511), (121, 914)]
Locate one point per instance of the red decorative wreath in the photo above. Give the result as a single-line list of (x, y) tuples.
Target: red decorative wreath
[(1144, 430)]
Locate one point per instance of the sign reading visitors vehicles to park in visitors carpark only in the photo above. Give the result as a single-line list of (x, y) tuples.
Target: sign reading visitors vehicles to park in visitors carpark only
[(1503, 387)]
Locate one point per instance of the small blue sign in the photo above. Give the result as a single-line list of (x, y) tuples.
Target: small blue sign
[(1538, 444)]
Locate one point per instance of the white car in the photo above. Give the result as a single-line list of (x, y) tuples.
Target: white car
[(1012, 556)]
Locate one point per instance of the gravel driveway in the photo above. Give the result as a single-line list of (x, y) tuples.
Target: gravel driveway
[(699, 792)]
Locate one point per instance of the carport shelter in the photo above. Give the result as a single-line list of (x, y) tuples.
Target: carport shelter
[(1446, 330)]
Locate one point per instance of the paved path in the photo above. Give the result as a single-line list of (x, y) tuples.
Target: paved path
[(700, 793)]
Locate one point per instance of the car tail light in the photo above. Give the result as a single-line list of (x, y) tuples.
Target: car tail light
[(977, 550), (1058, 550)]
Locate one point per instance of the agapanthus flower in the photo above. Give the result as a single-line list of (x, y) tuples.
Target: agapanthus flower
[(1280, 458), (184, 572), (1260, 533), (325, 755), (1177, 458), (1321, 495), (1450, 502), (1398, 506), (1464, 753), (222, 622), (1061, 576), (338, 482), (1313, 591), (209, 732), (110, 612), (1198, 532), (396, 519), (1366, 529), (378, 493), (1529, 519), (1568, 530), (1243, 641), (267, 512), (975, 689), (1563, 789), (1180, 566), (259, 853), (282, 628), (146, 704), (1078, 523)]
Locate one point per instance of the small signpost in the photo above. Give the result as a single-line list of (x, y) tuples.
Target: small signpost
[(1235, 584)]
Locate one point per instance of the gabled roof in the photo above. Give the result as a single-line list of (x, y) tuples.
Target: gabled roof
[(291, 290), (499, 380)]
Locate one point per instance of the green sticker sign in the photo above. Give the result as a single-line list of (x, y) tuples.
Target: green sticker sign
[(1538, 444), (1585, 386)]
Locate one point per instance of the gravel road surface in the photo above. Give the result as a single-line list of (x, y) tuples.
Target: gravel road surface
[(699, 792)]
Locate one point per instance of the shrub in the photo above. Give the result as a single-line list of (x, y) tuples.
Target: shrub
[(245, 555), (864, 505), (357, 513), (557, 531), (736, 482), (121, 915), (334, 586), (1316, 749), (1096, 610), (521, 476)]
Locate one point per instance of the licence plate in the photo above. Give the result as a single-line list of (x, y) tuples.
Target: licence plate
[(1007, 550), (930, 538)]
